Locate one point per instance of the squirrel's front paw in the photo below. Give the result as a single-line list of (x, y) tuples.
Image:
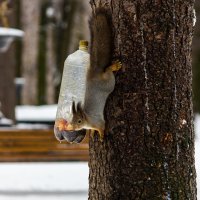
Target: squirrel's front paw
[(117, 65)]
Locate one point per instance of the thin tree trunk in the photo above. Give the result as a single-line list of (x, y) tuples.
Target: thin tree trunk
[(30, 25), (79, 29), (148, 150), (77, 20), (50, 65), (7, 71), (74, 28), (7, 86), (51, 68)]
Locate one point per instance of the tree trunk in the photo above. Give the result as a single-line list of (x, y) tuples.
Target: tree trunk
[(50, 65), (51, 42), (148, 150), (7, 71), (30, 25), (7, 86)]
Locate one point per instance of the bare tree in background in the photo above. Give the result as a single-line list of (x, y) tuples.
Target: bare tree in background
[(78, 25), (53, 12), (71, 19), (30, 14), (7, 67)]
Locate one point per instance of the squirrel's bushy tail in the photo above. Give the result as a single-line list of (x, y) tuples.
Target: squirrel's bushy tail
[(101, 40)]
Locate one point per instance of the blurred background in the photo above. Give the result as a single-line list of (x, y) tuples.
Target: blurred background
[(35, 38), (31, 68)]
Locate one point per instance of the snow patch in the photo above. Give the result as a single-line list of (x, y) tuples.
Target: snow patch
[(36, 113), (11, 32), (194, 17), (67, 176)]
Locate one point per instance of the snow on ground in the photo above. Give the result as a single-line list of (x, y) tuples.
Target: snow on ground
[(197, 127), (197, 164), (44, 197), (197, 151), (36, 181)]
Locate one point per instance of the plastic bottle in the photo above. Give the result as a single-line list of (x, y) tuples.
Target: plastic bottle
[(73, 83)]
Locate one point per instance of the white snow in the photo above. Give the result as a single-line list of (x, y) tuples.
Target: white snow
[(194, 17), (197, 164), (197, 151), (67, 180), (197, 128), (19, 81), (12, 32), (36, 113), (50, 12), (66, 176), (44, 197)]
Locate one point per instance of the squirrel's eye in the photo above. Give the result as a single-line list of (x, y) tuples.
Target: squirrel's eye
[(79, 121)]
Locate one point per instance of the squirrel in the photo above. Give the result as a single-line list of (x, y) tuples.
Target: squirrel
[(100, 79)]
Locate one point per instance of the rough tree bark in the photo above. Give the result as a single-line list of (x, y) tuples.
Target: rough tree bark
[(148, 151), (30, 25)]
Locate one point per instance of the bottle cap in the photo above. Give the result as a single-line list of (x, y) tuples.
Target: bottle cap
[(83, 45)]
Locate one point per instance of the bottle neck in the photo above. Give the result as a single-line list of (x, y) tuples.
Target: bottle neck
[(83, 48)]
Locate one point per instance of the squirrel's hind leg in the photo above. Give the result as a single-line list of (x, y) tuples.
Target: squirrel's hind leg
[(92, 131), (100, 133)]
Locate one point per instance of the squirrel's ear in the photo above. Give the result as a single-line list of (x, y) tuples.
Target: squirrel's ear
[(80, 109), (73, 108)]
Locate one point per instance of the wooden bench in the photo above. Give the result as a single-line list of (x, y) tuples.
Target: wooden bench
[(38, 145)]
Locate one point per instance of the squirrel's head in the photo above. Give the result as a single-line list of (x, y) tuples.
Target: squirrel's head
[(78, 120), (72, 129)]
